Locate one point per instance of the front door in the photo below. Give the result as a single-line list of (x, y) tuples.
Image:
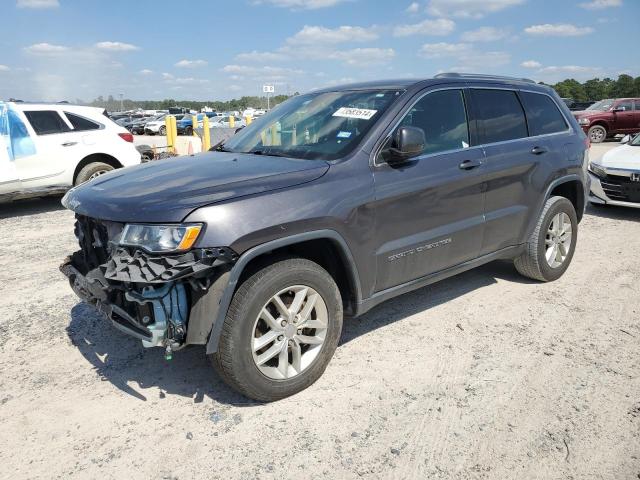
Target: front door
[(624, 116), (55, 145), (429, 210)]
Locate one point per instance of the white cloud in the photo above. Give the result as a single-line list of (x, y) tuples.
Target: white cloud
[(189, 81), (531, 64), (191, 63), (145, 71), (464, 54), (440, 26), (601, 4), (578, 72), (443, 49), (37, 4), (261, 57), (301, 4), (468, 8), (413, 8), (363, 56), (558, 30), (263, 72), (312, 35), (569, 69), (116, 46), (484, 34), (45, 49), (4, 68)]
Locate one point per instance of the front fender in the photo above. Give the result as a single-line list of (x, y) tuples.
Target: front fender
[(222, 295)]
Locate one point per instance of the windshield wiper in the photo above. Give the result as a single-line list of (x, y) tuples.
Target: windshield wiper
[(268, 153)]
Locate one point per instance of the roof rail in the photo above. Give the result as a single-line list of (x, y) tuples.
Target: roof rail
[(480, 76)]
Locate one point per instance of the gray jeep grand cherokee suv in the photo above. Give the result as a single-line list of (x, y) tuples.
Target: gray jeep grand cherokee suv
[(328, 205)]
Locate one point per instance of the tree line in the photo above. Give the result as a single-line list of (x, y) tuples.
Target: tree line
[(594, 89), (597, 89)]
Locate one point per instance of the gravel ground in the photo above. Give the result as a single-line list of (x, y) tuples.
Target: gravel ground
[(485, 375)]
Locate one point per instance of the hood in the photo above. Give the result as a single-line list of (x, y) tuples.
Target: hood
[(625, 156), (167, 191), (587, 113)]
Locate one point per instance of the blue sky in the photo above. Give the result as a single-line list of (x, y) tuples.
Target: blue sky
[(219, 49)]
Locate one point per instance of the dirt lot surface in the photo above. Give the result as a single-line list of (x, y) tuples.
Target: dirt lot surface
[(485, 375)]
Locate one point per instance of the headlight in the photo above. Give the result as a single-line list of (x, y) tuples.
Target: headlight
[(584, 121), (597, 170), (160, 238)]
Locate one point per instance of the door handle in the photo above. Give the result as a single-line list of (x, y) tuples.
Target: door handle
[(469, 164), (69, 144), (538, 150)]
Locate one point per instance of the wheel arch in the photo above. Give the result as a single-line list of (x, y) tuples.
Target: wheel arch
[(572, 189), (93, 158), (325, 247)]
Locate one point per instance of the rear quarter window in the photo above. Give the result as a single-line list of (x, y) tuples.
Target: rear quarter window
[(80, 123), (499, 115), (543, 114)]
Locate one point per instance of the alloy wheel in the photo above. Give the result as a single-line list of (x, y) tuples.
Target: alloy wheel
[(597, 134), (558, 240), (97, 174), (289, 332)]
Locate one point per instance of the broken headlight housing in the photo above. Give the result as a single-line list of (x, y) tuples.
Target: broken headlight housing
[(160, 238)]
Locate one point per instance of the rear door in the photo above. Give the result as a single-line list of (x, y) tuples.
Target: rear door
[(429, 210), (512, 165), (636, 115)]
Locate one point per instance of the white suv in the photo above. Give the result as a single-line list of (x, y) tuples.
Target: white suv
[(48, 148)]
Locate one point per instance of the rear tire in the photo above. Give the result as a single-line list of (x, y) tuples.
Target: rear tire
[(91, 171), (240, 361), (547, 256), (162, 130)]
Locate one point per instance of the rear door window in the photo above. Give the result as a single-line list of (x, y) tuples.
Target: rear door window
[(543, 115), (443, 118), (499, 115), (81, 124), (46, 122)]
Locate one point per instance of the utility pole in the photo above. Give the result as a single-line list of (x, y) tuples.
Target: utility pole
[(121, 102)]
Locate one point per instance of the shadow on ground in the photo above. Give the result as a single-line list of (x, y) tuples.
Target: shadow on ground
[(35, 206), (123, 361), (613, 212)]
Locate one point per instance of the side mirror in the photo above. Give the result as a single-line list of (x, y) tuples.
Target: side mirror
[(408, 142), (626, 139)]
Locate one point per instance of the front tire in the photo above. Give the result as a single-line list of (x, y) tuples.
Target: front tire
[(281, 330), (597, 134), (162, 130), (550, 248)]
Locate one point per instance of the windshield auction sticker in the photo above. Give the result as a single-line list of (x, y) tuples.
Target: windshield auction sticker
[(361, 113)]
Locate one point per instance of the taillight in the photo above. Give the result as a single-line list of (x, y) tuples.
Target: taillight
[(127, 137)]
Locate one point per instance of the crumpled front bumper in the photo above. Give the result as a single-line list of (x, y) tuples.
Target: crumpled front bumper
[(153, 297)]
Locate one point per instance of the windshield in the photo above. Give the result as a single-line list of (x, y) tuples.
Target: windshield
[(602, 105), (325, 125)]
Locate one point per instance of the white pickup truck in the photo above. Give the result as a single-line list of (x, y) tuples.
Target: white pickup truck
[(48, 148)]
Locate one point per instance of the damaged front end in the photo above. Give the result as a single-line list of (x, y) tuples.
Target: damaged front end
[(164, 299)]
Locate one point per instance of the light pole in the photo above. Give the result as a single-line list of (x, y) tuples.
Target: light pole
[(121, 102)]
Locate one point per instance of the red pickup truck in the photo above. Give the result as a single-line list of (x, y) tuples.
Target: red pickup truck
[(610, 117)]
